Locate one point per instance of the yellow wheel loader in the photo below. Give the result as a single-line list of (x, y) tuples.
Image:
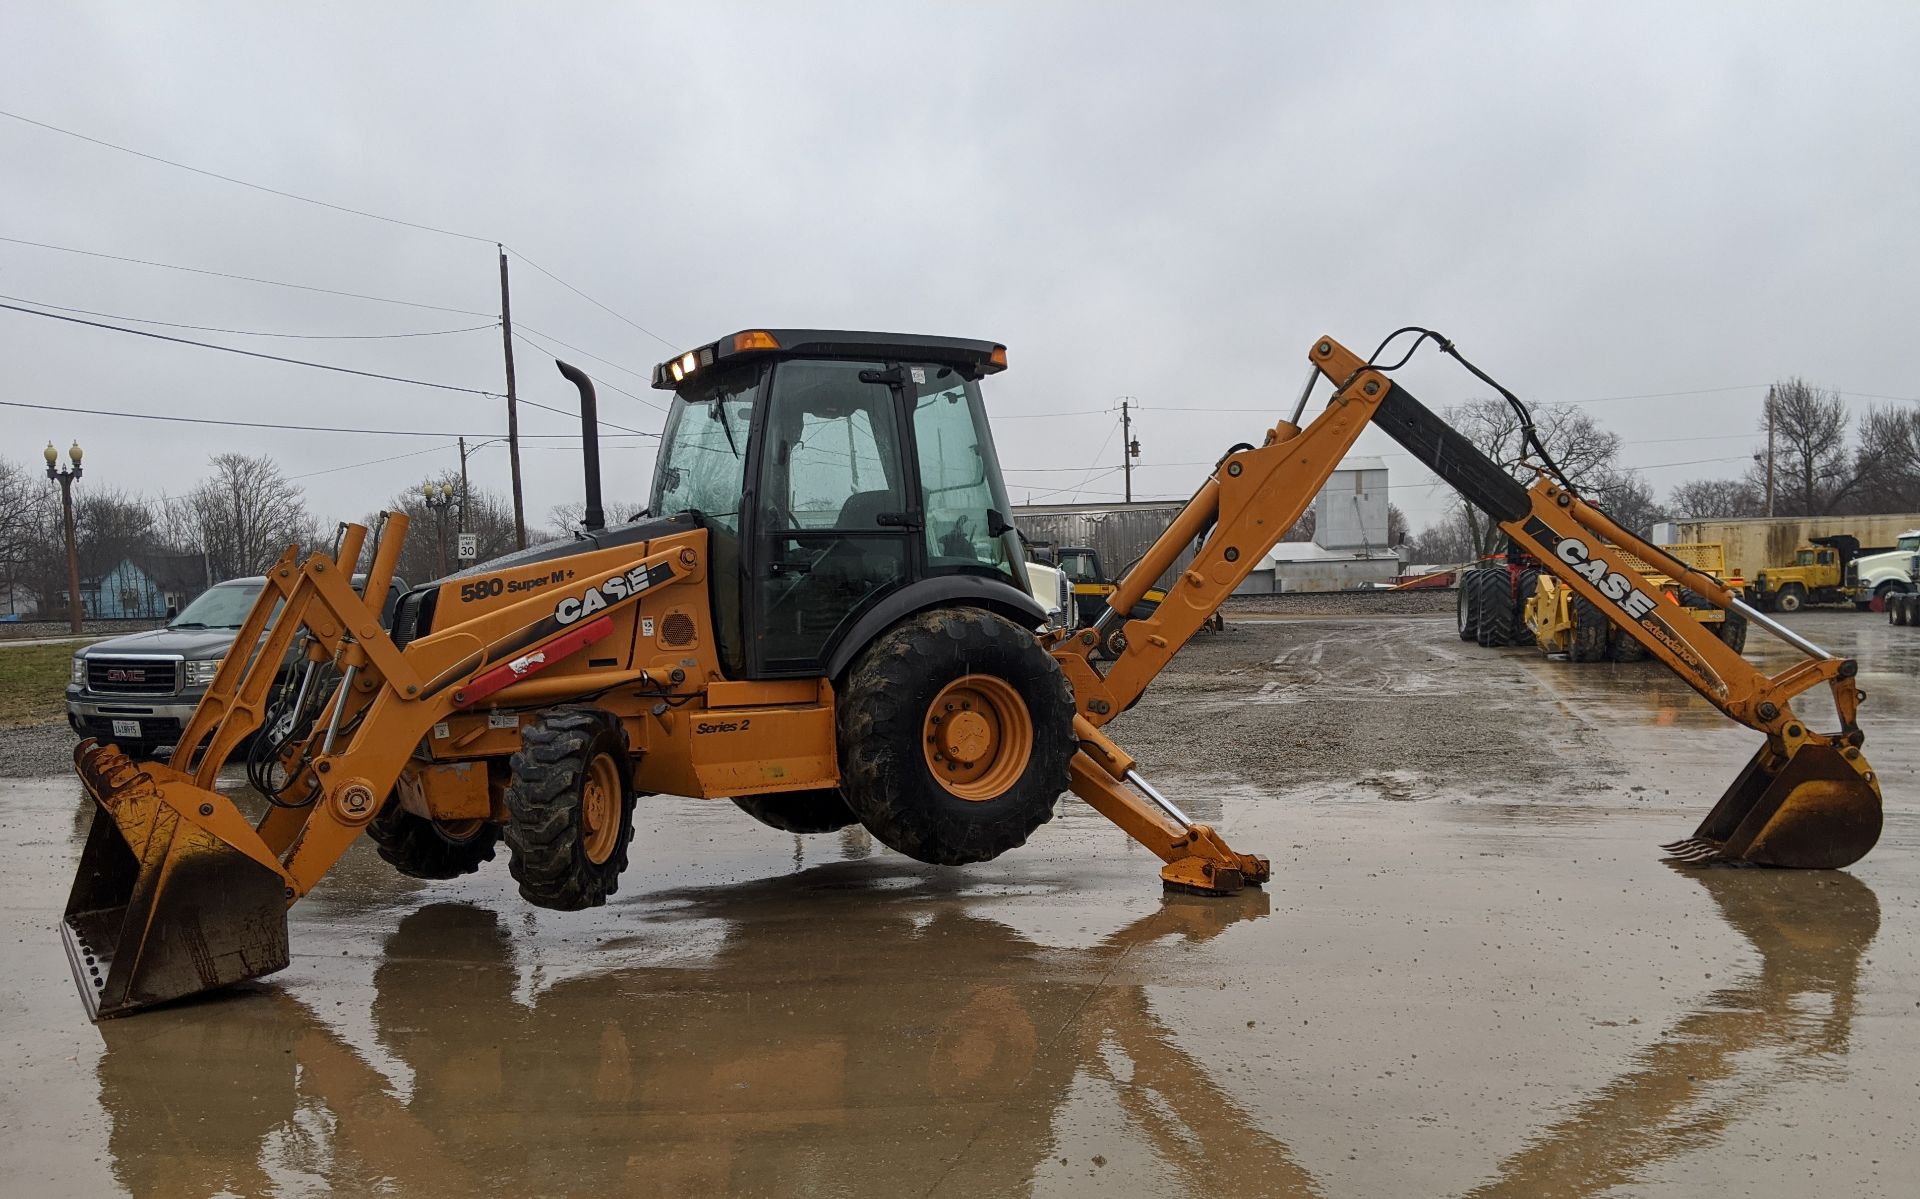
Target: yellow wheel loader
[(824, 619)]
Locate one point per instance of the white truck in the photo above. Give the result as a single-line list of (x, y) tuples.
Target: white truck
[(1873, 577)]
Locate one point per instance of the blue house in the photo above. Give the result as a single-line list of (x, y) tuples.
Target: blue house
[(144, 586)]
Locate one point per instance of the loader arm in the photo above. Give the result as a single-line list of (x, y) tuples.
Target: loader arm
[(1806, 799)]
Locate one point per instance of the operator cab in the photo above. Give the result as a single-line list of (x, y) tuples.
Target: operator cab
[(843, 478)]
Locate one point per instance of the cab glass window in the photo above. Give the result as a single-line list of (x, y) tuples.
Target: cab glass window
[(703, 450), (963, 498)]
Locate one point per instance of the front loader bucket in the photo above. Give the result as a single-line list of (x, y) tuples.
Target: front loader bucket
[(1811, 807), (175, 894)]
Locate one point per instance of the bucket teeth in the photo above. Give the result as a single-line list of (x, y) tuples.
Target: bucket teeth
[(1694, 851)]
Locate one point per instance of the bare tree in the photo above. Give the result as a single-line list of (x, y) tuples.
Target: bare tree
[(25, 503), (1304, 528), (1715, 499), (1398, 531), (1887, 461), (432, 544), (244, 515), (1628, 499), (1811, 468), (1583, 450), (563, 520), (1443, 543)]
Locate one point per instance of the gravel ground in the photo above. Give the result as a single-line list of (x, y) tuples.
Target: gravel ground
[(1314, 699), (35, 751), (1344, 603)]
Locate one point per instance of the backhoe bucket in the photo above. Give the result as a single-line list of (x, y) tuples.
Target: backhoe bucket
[(176, 894), (1811, 807)]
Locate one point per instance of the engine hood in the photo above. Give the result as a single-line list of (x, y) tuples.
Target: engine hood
[(194, 645)]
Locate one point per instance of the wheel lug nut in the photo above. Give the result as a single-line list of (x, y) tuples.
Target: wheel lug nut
[(968, 705), (949, 707)]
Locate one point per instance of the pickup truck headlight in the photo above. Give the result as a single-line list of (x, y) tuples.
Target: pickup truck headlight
[(78, 674), (200, 674)]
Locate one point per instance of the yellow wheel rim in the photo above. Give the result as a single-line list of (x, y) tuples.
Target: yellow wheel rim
[(460, 831), (977, 736), (600, 808)]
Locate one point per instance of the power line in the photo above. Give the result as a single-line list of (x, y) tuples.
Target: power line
[(606, 424), (207, 345), (259, 187), (589, 299), (331, 470), (359, 212), (253, 424), (599, 382), (643, 376), (140, 320), (194, 270)]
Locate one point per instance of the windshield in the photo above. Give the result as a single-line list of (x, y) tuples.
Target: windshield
[(1078, 565), (222, 607), (703, 451), (1909, 541)]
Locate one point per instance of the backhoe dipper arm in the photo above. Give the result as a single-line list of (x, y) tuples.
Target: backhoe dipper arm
[(1805, 799)]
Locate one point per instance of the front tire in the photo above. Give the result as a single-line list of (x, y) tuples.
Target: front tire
[(819, 811), (955, 736), (570, 809), (1791, 597), (421, 848)]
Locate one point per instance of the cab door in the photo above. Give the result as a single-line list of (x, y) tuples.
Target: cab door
[(836, 515)]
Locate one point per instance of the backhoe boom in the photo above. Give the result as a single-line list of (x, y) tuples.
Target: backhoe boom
[(1806, 799)]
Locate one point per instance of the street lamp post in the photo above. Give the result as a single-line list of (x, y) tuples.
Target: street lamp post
[(65, 478)]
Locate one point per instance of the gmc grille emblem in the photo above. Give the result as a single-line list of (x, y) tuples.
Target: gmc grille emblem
[(116, 674)]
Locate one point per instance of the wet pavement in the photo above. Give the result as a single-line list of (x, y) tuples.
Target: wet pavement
[(1471, 975)]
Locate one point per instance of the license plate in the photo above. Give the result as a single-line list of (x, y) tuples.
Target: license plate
[(126, 728)]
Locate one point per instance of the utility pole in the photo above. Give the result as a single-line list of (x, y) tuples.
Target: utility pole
[(1769, 451), (65, 478), (1129, 448), (463, 484), (513, 409)]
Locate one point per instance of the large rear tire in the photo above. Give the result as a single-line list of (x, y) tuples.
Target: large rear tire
[(1496, 608), (818, 811), (955, 733), (1591, 632), (570, 809), (420, 848)]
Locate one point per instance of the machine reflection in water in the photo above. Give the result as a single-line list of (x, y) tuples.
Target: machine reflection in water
[(777, 1066)]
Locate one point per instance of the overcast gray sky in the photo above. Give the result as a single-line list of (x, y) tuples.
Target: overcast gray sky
[(1164, 202)]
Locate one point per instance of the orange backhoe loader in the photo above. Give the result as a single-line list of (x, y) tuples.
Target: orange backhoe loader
[(825, 620)]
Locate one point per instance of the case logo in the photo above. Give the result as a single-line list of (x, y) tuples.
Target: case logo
[(608, 591), (1607, 581)]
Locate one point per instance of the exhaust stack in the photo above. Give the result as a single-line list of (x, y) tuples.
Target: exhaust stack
[(595, 517)]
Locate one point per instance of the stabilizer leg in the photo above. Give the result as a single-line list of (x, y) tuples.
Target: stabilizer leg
[(1198, 860)]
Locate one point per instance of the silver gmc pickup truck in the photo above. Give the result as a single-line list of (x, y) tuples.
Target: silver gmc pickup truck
[(140, 690)]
